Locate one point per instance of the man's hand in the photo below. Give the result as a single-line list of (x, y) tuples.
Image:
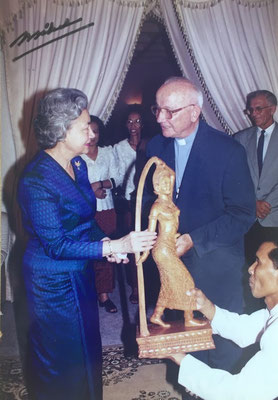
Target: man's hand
[(183, 244), (202, 302), (263, 208), (177, 358)]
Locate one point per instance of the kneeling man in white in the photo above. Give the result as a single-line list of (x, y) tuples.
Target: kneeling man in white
[(258, 379)]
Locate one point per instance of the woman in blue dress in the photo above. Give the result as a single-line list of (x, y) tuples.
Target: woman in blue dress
[(58, 206)]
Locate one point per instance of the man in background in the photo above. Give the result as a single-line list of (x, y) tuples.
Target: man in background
[(215, 195), (261, 145)]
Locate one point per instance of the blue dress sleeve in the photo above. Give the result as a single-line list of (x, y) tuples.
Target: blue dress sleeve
[(59, 218)]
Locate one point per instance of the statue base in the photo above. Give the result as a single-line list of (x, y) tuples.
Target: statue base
[(175, 339)]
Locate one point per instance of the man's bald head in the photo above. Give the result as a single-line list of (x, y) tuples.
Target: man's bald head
[(179, 104)]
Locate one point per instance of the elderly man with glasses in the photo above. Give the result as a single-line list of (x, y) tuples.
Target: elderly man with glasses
[(215, 195), (261, 144)]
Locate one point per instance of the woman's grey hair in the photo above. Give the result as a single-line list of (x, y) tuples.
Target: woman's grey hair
[(56, 111), (198, 93)]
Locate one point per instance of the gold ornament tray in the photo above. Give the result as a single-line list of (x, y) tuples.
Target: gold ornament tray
[(175, 339)]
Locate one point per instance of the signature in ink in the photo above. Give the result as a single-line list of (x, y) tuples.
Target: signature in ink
[(48, 29)]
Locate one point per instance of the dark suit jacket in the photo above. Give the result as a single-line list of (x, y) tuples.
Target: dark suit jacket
[(266, 185), (217, 204), (58, 214)]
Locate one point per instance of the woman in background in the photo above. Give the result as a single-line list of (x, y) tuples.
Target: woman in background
[(130, 154), (103, 175), (58, 206)]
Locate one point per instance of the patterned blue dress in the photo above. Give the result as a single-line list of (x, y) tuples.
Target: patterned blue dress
[(64, 354)]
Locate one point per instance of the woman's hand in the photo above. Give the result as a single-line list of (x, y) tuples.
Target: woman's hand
[(118, 258), (100, 193), (99, 189), (116, 250), (134, 242), (202, 302)]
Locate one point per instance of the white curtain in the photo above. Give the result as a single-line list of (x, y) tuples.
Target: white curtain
[(94, 59), (187, 63), (235, 43)]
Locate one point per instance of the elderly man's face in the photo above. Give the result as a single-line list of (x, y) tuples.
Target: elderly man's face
[(263, 279), (261, 112), (183, 122)]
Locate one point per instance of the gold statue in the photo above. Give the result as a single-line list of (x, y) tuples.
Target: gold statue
[(160, 339), (175, 278)]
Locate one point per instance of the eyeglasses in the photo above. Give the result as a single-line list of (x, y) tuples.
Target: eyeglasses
[(168, 113), (136, 121), (251, 110)]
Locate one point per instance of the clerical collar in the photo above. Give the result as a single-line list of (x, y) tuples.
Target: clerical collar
[(188, 139), (181, 142)]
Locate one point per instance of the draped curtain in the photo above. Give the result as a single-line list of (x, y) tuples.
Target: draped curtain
[(234, 43), (228, 47), (94, 59), (188, 65)]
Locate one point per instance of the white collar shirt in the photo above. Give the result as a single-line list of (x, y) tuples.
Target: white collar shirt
[(267, 137)]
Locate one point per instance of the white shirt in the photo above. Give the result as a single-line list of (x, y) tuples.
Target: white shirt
[(102, 168), (126, 159), (258, 379), (267, 137)]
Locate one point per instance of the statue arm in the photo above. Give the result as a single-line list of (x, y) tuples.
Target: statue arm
[(152, 222), (151, 228)]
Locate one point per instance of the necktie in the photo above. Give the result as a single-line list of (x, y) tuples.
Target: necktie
[(260, 151)]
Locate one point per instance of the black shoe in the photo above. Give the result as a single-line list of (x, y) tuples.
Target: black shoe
[(109, 306)]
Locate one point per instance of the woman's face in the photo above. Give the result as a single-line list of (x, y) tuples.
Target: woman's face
[(95, 130), (134, 124), (78, 136)]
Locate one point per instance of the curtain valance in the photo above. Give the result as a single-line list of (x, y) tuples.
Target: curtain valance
[(210, 3), (16, 8)]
